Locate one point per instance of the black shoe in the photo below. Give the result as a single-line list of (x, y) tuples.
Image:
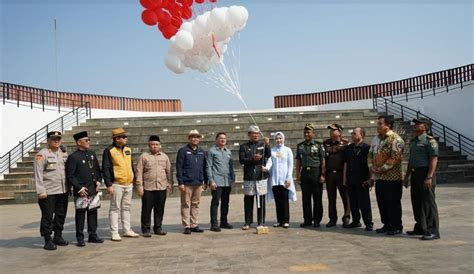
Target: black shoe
[(160, 232), (352, 225), (215, 229), (187, 230), (394, 232), (330, 224), (227, 226), (305, 224), (146, 234), (60, 241), (49, 245), (196, 229), (95, 239), (369, 227), (429, 237), (414, 233), (81, 243), (316, 225), (381, 230)]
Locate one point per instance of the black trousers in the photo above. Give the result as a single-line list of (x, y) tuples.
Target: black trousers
[(221, 194), (311, 188), (280, 193), (334, 182), (91, 223), (359, 198), (248, 208), (153, 200), (389, 195), (53, 214), (423, 202)]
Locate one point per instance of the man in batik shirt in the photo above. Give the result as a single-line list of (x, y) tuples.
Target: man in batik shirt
[(385, 164)]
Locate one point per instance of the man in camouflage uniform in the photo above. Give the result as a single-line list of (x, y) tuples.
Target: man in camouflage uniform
[(50, 180), (310, 169), (420, 174), (385, 164)]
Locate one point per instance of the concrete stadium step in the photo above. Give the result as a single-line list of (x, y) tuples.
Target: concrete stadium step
[(227, 118), (18, 186)]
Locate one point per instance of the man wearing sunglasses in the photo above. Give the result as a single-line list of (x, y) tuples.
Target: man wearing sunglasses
[(83, 173), (117, 170)]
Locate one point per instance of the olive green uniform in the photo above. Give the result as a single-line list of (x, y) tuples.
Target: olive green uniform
[(425, 210), (310, 154)]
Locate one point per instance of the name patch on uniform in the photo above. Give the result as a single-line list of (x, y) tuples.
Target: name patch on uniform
[(188, 152)]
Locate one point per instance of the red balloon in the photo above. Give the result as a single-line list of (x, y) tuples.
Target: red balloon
[(177, 22), (150, 4), (149, 17), (188, 3), (186, 13), (199, 1), (168, 31), (163, 17), (212, 1)]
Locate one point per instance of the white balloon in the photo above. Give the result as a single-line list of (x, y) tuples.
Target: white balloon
[(245, 14), (235, 16), (187, 26), (218, 17), (173, 48), (173, 63), (200, 25), (184, 40)]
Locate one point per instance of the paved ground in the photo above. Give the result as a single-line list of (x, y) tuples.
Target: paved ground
[(281, 251)]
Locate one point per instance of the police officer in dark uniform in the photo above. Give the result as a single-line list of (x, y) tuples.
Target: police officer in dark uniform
[(83, 173), (335, 147), (420, 174), (310, 169)]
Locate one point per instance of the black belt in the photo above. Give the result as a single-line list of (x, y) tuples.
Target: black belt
[(413, 169), (334, 171), (310, 168)]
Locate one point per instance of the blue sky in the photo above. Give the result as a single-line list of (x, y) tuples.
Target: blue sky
[(287, 47)]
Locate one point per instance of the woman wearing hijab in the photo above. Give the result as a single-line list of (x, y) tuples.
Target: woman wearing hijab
[(280, 182)]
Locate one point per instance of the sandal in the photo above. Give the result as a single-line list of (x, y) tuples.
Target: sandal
[(245, 227)]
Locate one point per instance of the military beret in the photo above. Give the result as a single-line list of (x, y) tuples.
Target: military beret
[(80, 135), (309, 126), (53, 134), (335, 127), (422, 121), (154, 138)]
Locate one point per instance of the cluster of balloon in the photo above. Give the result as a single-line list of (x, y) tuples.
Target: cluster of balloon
[(197, 43)]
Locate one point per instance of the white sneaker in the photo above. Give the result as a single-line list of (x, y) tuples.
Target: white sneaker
[(131, 234), (116, 237)]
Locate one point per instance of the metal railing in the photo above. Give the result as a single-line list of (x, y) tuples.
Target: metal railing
[(446, 134), (72, 118), (43, 97), (430, 81)]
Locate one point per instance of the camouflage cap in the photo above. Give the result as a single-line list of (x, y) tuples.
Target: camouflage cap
[(309, 126)]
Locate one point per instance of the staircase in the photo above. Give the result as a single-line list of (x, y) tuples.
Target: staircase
[(18, 185)]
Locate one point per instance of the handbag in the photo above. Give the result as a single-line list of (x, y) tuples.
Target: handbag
[(89, 202)]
